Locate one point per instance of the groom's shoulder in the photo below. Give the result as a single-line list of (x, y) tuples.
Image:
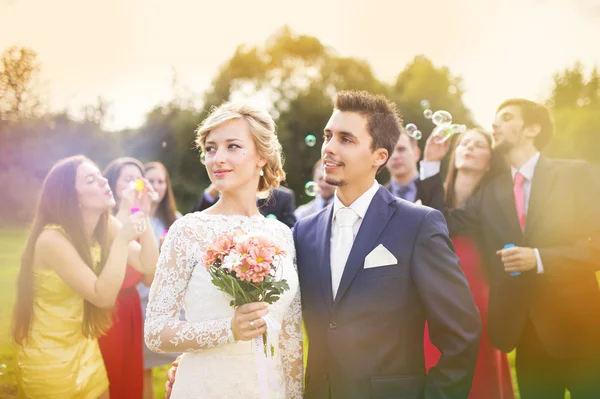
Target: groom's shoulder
[(406, 209)]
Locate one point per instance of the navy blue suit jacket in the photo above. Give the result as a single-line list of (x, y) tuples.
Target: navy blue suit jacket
[(368, 343)]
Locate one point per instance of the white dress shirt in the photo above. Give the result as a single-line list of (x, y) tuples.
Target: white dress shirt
[(360, 206)]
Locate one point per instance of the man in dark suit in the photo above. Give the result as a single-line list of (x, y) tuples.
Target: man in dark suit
[(373, 268), (405, 182), (544, 296), (280, 204)]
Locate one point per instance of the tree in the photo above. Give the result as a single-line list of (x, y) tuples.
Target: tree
[(421, 80), (299, 76), (19, 70), (96, 114), (575, 107)]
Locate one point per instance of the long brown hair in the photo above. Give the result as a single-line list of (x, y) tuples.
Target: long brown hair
[(58, 204), (112, 172), (167, 209), (450, 181)]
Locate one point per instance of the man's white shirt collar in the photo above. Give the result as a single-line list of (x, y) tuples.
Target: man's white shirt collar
[(528, 167), (361, 204)]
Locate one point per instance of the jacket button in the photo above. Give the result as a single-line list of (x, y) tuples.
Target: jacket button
[(333, 325), (325, 377)]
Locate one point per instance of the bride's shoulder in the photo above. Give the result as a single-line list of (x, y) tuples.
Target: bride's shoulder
[(194, 221), (279, 229)]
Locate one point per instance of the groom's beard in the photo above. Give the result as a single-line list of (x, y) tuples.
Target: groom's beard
[(334, 182)]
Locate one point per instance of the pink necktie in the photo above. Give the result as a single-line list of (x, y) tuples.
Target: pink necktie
[(519, 194)]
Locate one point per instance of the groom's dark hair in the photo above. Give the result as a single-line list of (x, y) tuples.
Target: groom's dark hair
[(384, 122)]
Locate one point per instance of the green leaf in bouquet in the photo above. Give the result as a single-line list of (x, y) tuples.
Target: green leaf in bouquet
[(281, 285)]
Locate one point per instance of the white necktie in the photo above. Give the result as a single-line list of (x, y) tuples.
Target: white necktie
[(345, 219)]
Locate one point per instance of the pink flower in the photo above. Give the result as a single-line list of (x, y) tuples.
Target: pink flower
[(261, 255), (210, 257), (243, 248), (223, 244), (218, 250), (251, 271)]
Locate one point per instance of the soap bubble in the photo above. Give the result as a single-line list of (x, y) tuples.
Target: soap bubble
[(311, 188), (310, 140), (441, 117)]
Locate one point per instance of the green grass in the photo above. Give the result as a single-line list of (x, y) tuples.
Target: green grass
[(12, 241)]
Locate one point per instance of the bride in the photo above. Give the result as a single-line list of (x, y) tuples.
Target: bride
[(243, 158)]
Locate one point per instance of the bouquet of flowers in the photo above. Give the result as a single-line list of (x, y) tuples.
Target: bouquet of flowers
[(246, 268)]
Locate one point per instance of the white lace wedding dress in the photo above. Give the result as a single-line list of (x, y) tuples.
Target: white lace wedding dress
[(214, 365)]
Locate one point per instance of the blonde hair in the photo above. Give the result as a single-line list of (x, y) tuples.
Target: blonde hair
[(265, 139)]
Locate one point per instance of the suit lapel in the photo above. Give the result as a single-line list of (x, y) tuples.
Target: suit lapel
[(541, 186), (376, 219), (418, 185), (324, 243), (503, 189)]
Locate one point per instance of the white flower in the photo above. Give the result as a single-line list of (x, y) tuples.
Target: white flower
[(230, 261)]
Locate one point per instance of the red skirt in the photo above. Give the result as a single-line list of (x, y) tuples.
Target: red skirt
[(122, 346), (492, 379)]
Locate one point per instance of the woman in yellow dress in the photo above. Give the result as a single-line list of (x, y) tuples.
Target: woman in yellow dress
[(71, 272)]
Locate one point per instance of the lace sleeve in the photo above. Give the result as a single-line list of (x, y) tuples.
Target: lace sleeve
[(291, 341), (164, 332)]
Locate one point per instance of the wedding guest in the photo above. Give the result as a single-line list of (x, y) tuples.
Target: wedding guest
[(404, 180), (539, 228), (122, 345), (470, 161), (71, 271), (323, 197)]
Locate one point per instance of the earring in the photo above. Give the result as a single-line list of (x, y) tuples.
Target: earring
[(261, 173)]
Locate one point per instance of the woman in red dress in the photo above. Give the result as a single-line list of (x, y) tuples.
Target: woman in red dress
[(122, 346), (469, 164)]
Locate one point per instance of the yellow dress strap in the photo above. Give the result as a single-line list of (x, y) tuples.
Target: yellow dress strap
[(57, 227), (96, 255)]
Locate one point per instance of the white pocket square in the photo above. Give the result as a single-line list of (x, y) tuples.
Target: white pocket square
[(418, 202), (380, 256)]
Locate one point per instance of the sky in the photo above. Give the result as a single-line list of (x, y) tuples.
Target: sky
[(126, 51)]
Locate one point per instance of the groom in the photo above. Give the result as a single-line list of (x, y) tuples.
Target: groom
[(373, 269)]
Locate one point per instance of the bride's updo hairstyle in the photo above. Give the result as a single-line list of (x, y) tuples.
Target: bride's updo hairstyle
[(265, 139)]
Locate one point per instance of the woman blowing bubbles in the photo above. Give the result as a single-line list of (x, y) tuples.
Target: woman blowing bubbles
[(71, 272)]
